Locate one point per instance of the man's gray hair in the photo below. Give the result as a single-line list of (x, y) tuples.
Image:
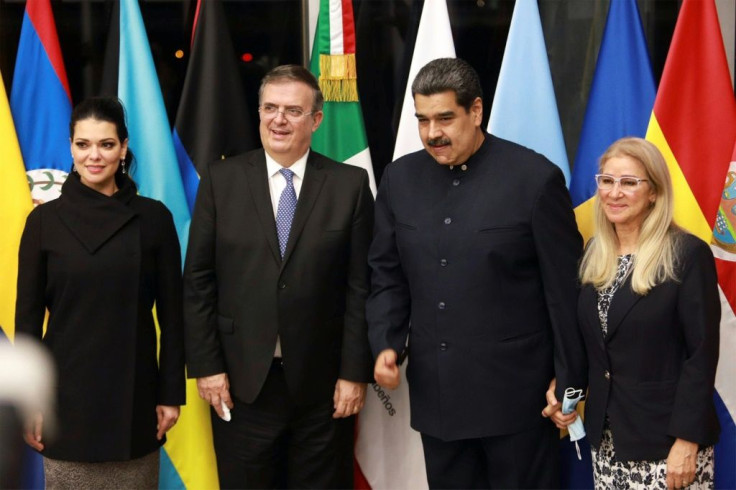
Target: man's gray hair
[(293, 73), (445, 74)]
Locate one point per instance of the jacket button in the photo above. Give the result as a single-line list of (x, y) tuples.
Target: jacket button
[(282, 286), (448, 221), (443, 262), (441, 305), (607, 375), (443, 345), (456, 182)]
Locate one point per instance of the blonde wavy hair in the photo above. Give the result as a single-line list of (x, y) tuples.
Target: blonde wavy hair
[(655, 256)]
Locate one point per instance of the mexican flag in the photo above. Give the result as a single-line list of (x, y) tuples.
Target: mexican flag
[(341, 135)]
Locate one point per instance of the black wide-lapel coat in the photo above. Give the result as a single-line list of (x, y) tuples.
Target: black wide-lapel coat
[(98, 264), (240, 294), (653, 374)]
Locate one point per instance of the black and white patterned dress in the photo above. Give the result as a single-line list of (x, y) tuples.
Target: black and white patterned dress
[(610, 473)]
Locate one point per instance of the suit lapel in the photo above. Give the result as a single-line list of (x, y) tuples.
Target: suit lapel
[(622, 302), (258, 184), (314, 178)]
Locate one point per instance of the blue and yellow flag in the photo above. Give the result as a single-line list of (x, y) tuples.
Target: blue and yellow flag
[(620, 103)]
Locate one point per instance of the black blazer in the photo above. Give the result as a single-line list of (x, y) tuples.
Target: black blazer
[(653, 374), (239, 294), (98, 264), (482, 262)]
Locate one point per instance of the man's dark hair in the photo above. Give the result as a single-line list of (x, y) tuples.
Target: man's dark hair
[(294, 73), (445, 74)]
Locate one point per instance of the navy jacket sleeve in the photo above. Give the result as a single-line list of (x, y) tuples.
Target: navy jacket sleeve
[(559, 246), (389, 304)]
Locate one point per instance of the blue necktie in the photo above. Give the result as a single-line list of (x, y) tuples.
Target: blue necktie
[(285, 212)]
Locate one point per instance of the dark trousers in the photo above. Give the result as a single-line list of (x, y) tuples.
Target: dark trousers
[(274, 443), (528, 459)]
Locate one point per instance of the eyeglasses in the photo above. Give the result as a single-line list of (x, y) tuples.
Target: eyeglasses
[(606, 182), (293, 114)]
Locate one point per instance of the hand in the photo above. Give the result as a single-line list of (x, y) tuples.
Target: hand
[(214, 390), (349, 398), (167, 416), (32, 434), (681, 463), (553, 410), (386, 371)]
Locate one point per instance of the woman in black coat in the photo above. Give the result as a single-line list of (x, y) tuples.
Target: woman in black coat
[(649, 311), (98, 258)]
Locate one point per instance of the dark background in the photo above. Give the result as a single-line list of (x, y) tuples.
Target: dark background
[(271, 31)]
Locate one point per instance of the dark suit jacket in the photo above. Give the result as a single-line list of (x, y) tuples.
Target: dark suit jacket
[(98, 264), (239, 294), (654, 372), (482, 263)]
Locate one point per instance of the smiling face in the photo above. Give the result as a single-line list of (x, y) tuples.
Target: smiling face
[(97, 152), (449, 133), (286, 140), (626, 208)]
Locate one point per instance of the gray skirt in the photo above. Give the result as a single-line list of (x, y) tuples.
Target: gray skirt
[(136, 473)]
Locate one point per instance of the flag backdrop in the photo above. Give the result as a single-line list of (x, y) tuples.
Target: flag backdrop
[(15, 204), (619, 104), (41, 103), (434, 40), (213, 119), (131, 74), (212, 122), (388, 451), (524, 108), (694, 125), (341, 136)]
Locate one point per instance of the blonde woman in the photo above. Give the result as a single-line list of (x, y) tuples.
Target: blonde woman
[(649, 312)]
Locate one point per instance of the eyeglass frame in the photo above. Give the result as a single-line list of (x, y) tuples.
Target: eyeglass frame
[(291, 118), (617, 180)]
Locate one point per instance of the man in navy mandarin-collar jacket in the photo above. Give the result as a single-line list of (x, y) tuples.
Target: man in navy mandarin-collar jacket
[(474, 260)]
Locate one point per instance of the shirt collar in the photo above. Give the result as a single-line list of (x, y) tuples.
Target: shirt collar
[(298, 167)]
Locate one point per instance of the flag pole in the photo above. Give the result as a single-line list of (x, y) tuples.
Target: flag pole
[(305, 33)]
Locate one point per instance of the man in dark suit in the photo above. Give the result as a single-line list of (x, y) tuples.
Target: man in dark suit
[(474, 261), (275, 285)]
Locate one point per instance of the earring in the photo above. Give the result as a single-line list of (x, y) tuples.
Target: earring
[(122, 162)]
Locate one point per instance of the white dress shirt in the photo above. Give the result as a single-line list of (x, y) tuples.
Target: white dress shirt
[(276, 185)]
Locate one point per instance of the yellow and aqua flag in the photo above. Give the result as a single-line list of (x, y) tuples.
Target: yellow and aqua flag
[(15, 204), (341, 136), (694, 126), (524, 107), (187, 459)]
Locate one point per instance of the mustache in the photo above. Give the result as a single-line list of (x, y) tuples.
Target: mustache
[(438, 141)]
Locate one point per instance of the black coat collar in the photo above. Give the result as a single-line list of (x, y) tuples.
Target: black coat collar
[(93, 217)]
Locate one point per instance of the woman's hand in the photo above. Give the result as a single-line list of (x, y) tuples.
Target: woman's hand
[(553, 410), (167, 417), (681, 463), (32, 434)]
